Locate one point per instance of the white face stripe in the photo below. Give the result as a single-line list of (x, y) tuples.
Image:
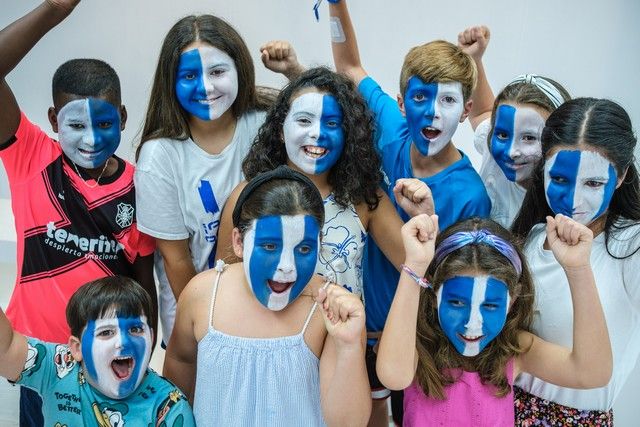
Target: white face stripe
[(307, 106), (527, 122), (447, 116), (286, 270), (227, 86), (592, 166), (474, 325)]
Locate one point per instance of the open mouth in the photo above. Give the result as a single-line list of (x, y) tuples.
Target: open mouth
[(470, 338), (279, 287), (122, 367), (431, 133), (314, 151)]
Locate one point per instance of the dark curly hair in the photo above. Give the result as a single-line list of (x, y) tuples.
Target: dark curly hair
[(356, 175), (439, 363)]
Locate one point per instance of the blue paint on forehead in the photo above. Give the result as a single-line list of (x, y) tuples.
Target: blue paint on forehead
[(331, 133), (420, 105), (190, 85), (501, 147)]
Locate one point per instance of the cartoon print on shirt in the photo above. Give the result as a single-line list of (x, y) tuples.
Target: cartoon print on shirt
[(63, 360), (35, 355), (110, 414)]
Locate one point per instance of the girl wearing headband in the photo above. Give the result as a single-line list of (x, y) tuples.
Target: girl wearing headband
[(458, 337), (589, 172), (508, 128), (249, 345)]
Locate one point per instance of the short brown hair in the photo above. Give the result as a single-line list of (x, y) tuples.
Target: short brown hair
[(439, 62)]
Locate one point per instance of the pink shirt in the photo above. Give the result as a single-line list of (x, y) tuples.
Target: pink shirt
[(468, 403)]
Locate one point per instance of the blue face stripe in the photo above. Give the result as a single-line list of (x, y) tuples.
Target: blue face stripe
[(331, 133), (609, 189), (420, 108), (306, 265), (562, 186), (190, 84), (134, 346), (105, 126), (501, 147), (264, 262), (86, 344)]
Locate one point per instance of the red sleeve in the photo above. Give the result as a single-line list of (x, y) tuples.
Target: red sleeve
[(30, 152)]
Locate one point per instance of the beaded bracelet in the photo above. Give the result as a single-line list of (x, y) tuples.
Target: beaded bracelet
[(419, 280)]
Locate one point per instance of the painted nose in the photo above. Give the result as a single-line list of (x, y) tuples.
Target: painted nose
[(474, 323), (287, 265)]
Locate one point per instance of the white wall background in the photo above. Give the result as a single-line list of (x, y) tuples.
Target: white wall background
[(590, 46)]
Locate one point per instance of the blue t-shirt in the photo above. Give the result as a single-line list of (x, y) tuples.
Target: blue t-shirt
[(458, 193), (69, 400)]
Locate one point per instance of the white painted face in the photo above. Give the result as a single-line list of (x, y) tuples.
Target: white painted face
[(206, 82), (433, 112), (116, 353), (515, 142), (579, 184), (313, 134), (89, 131)]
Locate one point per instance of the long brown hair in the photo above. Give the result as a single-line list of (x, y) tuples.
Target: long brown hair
[(165, 117), (439, 363)]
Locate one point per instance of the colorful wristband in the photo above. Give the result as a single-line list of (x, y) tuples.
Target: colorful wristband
[(419, 280)]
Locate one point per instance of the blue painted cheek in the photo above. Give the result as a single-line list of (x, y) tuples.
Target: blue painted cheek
[(454, 318), (331, 137), (500, 148), (609, 189), (190, 90), (264, 263), (87, 349), (420, 111), (306, 263), (561, 194), (493, 320), (105, 125), (134, 346)]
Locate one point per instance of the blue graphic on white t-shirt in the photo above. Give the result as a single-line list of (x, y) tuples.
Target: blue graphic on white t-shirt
[(210, 205)]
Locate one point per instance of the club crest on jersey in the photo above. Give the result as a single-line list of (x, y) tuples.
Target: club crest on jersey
[(124, 216)]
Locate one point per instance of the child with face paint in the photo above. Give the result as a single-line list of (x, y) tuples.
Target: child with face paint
[(589, 172), (101, 377), (458, 338), (319, 126), (249, 346), (73, 198), (508, 128), (414, 139), (203, 114)]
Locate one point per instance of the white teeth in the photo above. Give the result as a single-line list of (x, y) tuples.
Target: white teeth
[(314, 150)]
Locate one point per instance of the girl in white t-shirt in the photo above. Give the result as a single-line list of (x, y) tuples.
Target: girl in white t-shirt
[(203, 114), (507, 128), (588, 173)]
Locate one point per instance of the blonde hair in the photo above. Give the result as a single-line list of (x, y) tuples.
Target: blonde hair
[(440, 62)]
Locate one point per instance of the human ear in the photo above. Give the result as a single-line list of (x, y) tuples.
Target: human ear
[(466, 111), (75, 347), (401, 105), (53, 118), (123, 117), (236, 241), (621, 178)]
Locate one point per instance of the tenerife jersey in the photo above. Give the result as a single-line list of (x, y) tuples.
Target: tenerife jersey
[(68, 232)]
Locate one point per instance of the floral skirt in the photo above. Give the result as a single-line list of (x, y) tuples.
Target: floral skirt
[(535, 411)]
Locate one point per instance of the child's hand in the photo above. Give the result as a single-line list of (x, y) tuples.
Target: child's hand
[(66, 5), (419, 238), (280, 57), (569, 241), (414, 196), (343, 314), (474, 41)]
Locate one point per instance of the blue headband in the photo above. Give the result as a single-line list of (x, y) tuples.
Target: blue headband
[(464, 238)]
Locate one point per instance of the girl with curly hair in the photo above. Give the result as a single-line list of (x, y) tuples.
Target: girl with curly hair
[(458, 341), (321, 127)]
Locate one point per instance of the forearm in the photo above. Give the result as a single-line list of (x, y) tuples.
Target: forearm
[(17, 39), (347, 401), (591, 354), (182, 374), (143, 271), (13, 350), (346, 56), (482, 97), (396, 363)]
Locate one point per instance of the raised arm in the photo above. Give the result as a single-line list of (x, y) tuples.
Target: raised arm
[(589, 363), (397, 355), (13, 350), (279, 56), (16, 40), (344, 45), (474, 41)]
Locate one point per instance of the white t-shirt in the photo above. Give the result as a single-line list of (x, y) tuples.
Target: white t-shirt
[(506, 196), (180, 192), (618, 283)]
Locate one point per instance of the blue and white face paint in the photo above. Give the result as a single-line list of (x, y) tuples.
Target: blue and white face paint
[(280, 255), (313, 134), (472, 311), (116, 353), (89, 131), (515, 142), (579, 184), (433, 112), (206, 82)]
